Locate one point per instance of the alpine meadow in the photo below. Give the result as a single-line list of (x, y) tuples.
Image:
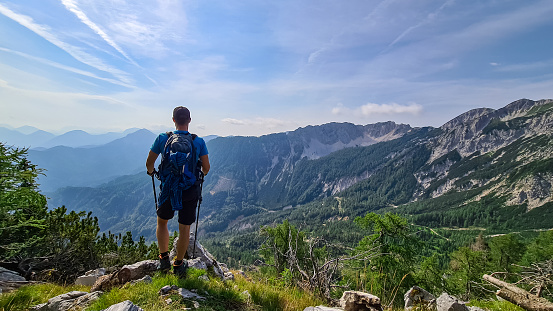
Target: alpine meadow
[(314, 212)]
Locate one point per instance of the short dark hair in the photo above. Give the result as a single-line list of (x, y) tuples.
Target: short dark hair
[(181, 115)]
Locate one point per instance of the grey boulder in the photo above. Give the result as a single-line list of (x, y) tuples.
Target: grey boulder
[(447, 302)]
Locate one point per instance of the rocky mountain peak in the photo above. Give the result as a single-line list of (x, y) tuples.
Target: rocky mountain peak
[(486, 129), (466, 118)]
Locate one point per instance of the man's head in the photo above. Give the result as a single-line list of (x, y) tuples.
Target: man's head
[(181, 115)]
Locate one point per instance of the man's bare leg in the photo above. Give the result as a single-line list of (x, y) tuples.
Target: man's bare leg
[(162, 234), (184, 239)]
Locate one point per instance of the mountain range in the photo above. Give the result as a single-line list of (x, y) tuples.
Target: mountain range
[(77, 158), (486, 167), (31, 137)]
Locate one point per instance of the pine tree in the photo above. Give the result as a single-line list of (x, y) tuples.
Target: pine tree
[(22, 208)]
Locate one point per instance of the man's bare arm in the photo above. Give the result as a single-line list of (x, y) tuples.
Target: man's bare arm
[(205, 164), (150, 162)]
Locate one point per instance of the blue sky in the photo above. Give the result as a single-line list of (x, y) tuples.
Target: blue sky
[(258, 67)]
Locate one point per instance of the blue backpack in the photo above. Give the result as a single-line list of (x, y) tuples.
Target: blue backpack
[(178, 168)]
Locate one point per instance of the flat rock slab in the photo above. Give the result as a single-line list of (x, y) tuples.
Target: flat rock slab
[(69, 301), (185, 293), (126, 305)]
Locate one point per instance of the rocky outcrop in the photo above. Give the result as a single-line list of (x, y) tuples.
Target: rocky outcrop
[(535, 190), (201, 257)]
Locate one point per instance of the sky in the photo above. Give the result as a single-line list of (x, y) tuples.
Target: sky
[(256, 67)]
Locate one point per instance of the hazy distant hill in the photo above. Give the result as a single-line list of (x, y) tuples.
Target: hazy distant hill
[(31, 137), (92, 166), (19, 139), (78, 138), (26, 129), (481, 168)]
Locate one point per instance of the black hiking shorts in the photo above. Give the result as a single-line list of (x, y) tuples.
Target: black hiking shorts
[(187, 215)]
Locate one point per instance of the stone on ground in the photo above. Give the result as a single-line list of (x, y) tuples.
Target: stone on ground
[(418, 297)]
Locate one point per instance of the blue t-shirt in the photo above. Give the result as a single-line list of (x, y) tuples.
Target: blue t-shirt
[(159, 144)]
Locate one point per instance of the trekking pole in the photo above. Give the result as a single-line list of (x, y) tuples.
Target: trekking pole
[(154, 186), (198, 214)]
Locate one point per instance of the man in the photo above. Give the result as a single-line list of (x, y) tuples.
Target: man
[(187, 215)]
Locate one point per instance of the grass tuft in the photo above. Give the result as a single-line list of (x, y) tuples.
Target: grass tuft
[(496, 305)]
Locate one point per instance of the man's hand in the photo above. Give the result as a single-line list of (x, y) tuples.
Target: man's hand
[(151, 173)]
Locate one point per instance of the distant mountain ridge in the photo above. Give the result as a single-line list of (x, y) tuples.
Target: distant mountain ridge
[(248, 166), (92, 166), (31, 137), (486, 165)]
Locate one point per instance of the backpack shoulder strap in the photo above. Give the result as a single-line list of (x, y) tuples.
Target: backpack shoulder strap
[(168, 142)]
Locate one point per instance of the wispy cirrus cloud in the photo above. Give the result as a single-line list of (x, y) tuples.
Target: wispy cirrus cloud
[(429, 18), (72, 6), (77, 53), (66, 68), (148, 28)]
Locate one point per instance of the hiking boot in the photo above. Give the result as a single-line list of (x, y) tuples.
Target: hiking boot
[(180, 270), (165, 263)]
